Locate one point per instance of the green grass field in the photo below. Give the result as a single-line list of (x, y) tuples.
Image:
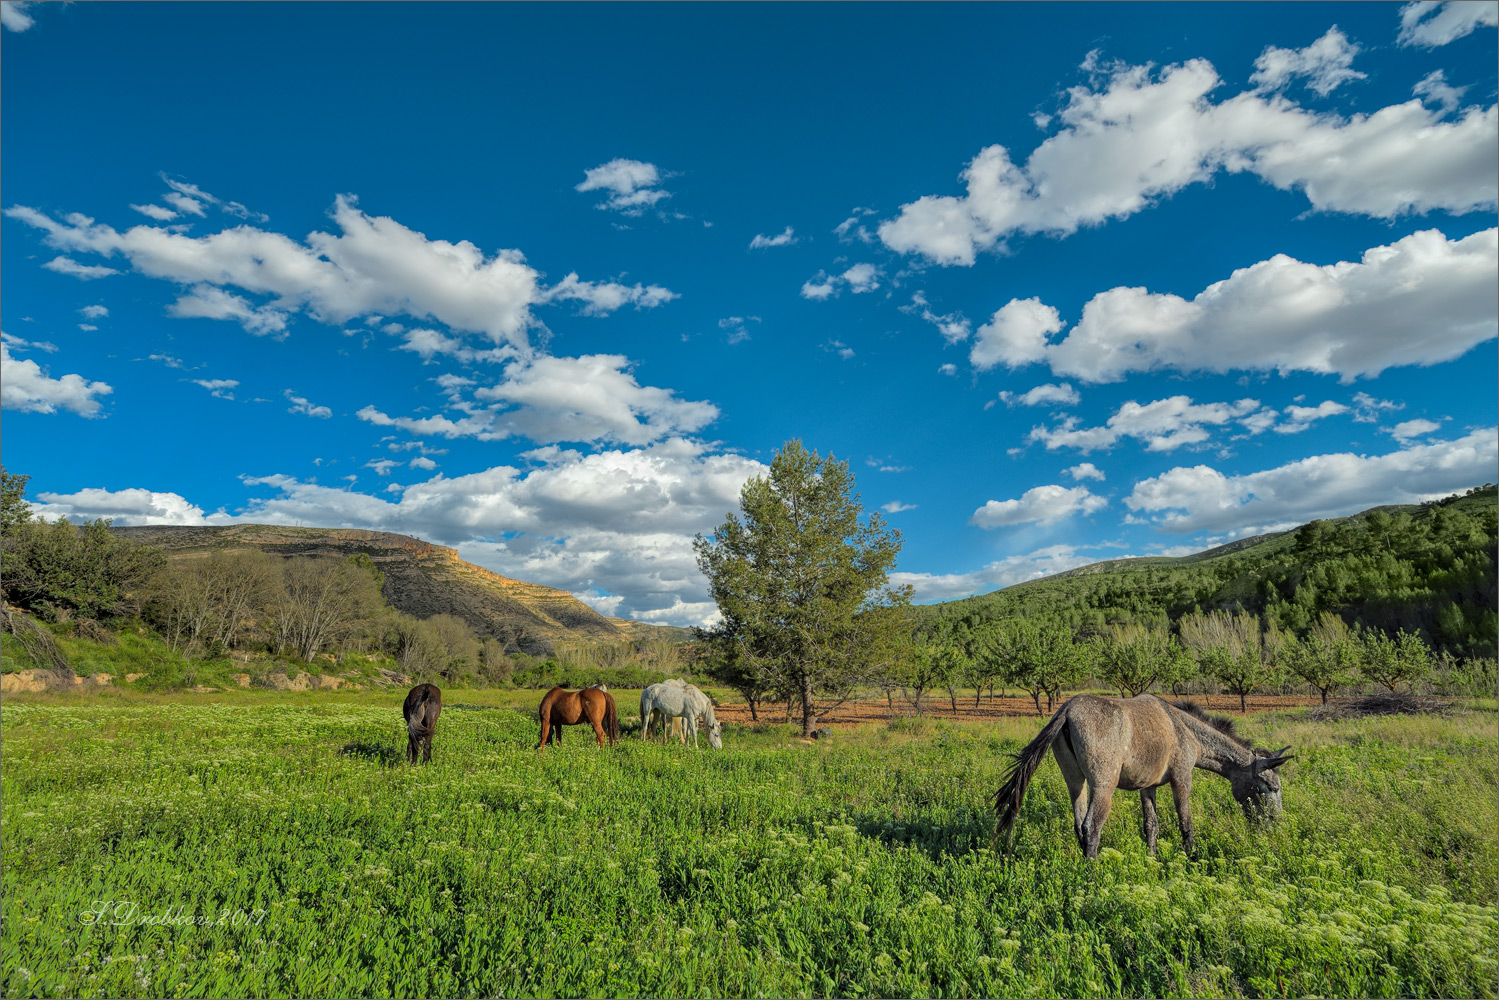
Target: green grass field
[(263, 844)]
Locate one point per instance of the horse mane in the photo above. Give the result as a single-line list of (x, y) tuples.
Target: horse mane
[(1222, 723)]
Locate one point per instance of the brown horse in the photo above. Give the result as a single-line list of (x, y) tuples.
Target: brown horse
[(592, 705), (1140, 744), (423, 706)]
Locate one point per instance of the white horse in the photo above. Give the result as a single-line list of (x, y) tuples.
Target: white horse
[(676, 699)]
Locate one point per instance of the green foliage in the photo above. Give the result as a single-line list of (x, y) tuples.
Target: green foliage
[(14, 510), (1430, 570), (1133, 659), (1234, 650), (322, 867), (1391, 661), (1327, 658), (63, 571), (1042, 657), (802, 582)]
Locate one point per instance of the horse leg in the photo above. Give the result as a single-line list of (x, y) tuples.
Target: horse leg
[(427, 748), (1100, 801), (596, 719), (1073, 775), (1181, 791), (1152, 825), (546, 732)]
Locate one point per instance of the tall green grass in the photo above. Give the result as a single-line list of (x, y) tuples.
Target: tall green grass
[(858, 866)]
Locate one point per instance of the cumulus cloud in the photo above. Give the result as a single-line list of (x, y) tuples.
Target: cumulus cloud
[(15, 15), (1201, 498), (1419, 301), (1085, 470), (1041, 505), (1434, 87), (1164, 425), (860, 278), (26, 386), (947, 369), (1430, 23), (1368, 410), (303, 406), (785, 238), (94, 312), (83, 272), (158, 212), (1002, 573), (1015, 335), (1326, 64), (632, 185), (595, 397), (1299, 418), (1409, 429), (1043, 395), (220, 388), (953, 326), (611, 522), (1148, 135), (372, 266)]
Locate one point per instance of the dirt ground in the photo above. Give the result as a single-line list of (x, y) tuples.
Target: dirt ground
[(853, 713)]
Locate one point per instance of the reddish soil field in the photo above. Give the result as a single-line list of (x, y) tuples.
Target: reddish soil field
[(852, 713)]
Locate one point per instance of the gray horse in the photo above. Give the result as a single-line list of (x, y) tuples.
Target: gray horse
[(676, 699), (1140, 744)]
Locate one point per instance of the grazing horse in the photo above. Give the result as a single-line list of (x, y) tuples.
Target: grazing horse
[(677, 699), (1140, 744), (422, 707), (561, 707)]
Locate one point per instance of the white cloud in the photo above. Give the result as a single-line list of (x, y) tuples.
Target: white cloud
[(895, 507), (1203, 499), (1434, 86), (1015, 335), (1002, 573), (1164, 425), (127, 507), (422, 462), (604, 297), (83, 272), (209, 302), (1326, 64), (1419, 301), (1043, 395), (784, 239), (1041, 505), (1148, 135), (158, 212), (303, 406), (1408, 429), (382, 466), (947, 369), (94, 312), (953, 326), (374, 265), (1430, 23), (1085, 470), (1302, 417), (631, 183), (839, 348), (852, 228), (859, 278), (18, 344), (736, 328), (25, 386), (184, 204), (14, 15), (595, 397), (220, 388), (1367, 409)]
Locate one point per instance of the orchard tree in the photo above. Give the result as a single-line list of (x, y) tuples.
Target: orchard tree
[(1391, 661), (1233, 649), (1328, 658), (1134, 658), (803, 582)]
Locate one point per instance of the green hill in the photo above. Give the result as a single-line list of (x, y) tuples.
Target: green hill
[(1428, 568)]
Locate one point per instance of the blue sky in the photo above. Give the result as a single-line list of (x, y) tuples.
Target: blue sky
[(549, 283)]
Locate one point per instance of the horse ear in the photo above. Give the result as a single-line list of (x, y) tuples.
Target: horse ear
[(1274, 760)]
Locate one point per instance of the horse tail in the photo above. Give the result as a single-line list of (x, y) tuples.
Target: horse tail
[(611, 718), (645, 717), (416, 719), (1007, 799)]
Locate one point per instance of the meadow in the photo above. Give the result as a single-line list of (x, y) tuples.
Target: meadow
[(273, 844)]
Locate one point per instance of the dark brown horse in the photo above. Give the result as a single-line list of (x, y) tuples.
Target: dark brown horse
[(423, 706), (561, 707), (1140, 744)]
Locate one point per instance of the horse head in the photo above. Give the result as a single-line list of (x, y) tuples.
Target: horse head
[(1257, 786), (715, 736)]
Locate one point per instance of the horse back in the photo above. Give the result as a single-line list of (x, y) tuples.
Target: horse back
[(422, 707), (1134, 738)]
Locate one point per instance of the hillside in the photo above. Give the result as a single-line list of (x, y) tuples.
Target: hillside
[(1429, 568), (421, 579)]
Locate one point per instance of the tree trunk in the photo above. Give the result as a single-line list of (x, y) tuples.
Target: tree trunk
[(890, 700), (1243, 705), (952, 696), (1036, 697), (809, 721), (1324, 695), (751, 700), (978, 693)]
